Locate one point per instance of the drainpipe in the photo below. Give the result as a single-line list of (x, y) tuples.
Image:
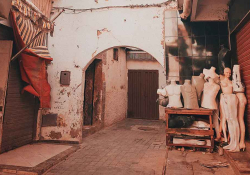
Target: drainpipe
[(187, 6)]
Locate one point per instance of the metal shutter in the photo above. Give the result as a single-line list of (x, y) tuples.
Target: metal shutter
[(243, 53), (20, 111)]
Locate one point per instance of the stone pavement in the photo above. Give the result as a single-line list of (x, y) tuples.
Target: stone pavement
[(136, 147), (129, 147), (194, 163)]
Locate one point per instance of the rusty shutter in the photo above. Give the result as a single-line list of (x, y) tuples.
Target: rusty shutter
[(142, 96), (243, 53), (20, 111)]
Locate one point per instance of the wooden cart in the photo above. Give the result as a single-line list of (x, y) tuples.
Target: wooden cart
[(196, 133)]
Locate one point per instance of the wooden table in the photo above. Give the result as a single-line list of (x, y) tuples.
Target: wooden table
[(170, 132)]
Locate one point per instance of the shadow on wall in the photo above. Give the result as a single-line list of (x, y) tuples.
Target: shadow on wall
[(192, 46)]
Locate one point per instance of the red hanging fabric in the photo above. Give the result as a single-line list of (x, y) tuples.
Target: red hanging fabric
[(33, 69)]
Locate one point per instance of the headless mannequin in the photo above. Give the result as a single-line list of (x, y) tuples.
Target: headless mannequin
[(174, 92), (210, 92), (228, 106), (198, 83), (237, 84), (239, 89), (190, 96), (210, 73)]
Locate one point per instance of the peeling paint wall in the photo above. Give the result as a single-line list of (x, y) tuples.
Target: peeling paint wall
[(151, 65), (79, 37), (116, 87)]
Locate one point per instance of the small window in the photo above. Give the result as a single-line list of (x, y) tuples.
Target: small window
[(115, 56)]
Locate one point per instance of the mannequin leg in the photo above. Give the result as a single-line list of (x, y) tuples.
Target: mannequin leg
[(241, 109), (233, 125), (216, 124), (223, 118)]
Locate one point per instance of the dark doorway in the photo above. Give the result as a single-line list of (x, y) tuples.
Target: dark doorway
[(92, 108), (142, 96)]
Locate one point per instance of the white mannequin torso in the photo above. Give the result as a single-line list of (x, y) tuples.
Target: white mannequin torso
[(174, 92), (190, 96), (210, 73), (210, 92)]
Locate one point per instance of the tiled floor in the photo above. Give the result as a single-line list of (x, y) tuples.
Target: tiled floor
[(31, 155)]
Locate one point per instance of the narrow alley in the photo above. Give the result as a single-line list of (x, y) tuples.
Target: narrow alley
[(134, 147)]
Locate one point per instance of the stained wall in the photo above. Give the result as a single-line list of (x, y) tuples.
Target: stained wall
[(116, 87), (80, 36)]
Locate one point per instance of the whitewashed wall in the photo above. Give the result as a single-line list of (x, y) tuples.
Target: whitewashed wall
[(116, 87), (78, 38)]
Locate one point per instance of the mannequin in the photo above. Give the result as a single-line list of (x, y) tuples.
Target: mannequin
[(228, 106), (173, 91), (209, 101), (190, 96), (210, 73), (239, 89), (198, 83), (237, 84), (210, 92)]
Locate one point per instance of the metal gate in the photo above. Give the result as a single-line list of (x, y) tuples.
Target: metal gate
[(243, 53), (20, 113), (142, 96)]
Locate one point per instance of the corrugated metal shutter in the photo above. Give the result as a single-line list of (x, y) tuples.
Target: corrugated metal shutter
[(20, 110), (243, 53)]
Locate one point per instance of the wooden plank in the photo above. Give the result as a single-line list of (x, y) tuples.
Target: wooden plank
[(189, 131), (191, 111), (189, 145)]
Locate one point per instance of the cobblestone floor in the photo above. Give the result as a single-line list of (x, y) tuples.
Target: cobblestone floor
[(127, 148)]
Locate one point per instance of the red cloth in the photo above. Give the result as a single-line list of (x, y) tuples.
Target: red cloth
[(33, 69)]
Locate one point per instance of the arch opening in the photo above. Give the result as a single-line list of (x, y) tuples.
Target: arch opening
[(108, 82)]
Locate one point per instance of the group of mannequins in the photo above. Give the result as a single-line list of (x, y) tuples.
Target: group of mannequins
[(229, 108)]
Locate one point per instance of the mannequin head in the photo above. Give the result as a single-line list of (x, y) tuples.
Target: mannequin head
[(227, 72)]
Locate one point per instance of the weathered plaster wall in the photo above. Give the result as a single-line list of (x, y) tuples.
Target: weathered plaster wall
[(151, 65), (80, 36), (116, 87)]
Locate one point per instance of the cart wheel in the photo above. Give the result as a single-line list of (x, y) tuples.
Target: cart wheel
[(211, 150), (194, 149), (169, 148)]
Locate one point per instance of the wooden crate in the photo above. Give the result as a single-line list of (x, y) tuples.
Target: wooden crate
[(170, 132)]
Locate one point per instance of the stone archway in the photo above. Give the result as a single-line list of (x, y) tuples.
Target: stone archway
[(111, 103)]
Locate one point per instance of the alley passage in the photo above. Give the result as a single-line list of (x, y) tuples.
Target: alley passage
[(127, 148), (137, 147)]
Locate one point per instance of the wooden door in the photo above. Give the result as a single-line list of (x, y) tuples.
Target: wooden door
[(142, 96), (92, 107)]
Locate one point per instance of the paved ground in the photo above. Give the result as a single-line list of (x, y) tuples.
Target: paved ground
[(194, 163), (32, 154), (134, 147), (129, 147)]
